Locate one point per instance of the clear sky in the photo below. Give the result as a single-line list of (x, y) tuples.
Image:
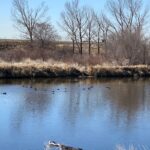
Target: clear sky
[(55, 7)]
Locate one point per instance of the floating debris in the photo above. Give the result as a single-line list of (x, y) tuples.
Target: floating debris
[(56, 146)]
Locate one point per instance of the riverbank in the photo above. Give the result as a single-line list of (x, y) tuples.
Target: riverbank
[(35, 69)]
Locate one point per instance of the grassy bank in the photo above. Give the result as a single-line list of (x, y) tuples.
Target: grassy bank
[(36, 69)]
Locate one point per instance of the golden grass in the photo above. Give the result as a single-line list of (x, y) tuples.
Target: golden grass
[(51, 68)]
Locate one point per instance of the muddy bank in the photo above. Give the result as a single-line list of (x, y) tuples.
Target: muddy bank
[(53, 71)]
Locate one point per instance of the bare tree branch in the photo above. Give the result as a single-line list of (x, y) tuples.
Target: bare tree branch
[(26, 18)]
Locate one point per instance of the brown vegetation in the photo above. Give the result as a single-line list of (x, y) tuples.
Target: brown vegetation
[(29, 62), (36, 69)]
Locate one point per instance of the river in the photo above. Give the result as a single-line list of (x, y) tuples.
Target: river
[(93, 114)]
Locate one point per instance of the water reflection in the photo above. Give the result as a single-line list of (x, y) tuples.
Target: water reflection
[(128, 100), (92, 114)]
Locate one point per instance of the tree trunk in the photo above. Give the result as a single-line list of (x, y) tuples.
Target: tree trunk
[(81, 47), (73, 46), (105, 43), (42, 43), (89, 43), (81, 42), (144, 55), (98, 45), (89, 46), (31, 37)]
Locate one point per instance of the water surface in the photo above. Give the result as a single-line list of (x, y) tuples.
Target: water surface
[(91, 114)]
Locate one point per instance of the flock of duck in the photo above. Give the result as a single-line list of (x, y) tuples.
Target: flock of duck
[(53, 91)]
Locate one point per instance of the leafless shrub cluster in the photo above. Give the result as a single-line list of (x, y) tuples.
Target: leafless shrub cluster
[(127, 37)]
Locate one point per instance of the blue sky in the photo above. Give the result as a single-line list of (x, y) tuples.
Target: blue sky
[(55, 7)]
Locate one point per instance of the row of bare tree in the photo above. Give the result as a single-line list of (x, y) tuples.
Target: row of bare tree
[(82, 25), (121, 30)]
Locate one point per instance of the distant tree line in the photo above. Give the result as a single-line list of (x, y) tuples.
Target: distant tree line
[(119, 34)]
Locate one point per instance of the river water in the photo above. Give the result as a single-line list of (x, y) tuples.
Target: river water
[(91, 114)]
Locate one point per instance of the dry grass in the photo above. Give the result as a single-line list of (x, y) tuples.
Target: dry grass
[(34, 62), (51, 68), (63, 54)]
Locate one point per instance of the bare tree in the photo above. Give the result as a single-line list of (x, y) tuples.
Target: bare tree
[(90, 27), (45, 34), (69, 22), (97, 31), (26, 18), (81, 22), (102, 29), (75, 23), (128, 20), (127, 14)]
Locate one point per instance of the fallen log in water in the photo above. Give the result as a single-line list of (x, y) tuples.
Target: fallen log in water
[(56, 146)]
